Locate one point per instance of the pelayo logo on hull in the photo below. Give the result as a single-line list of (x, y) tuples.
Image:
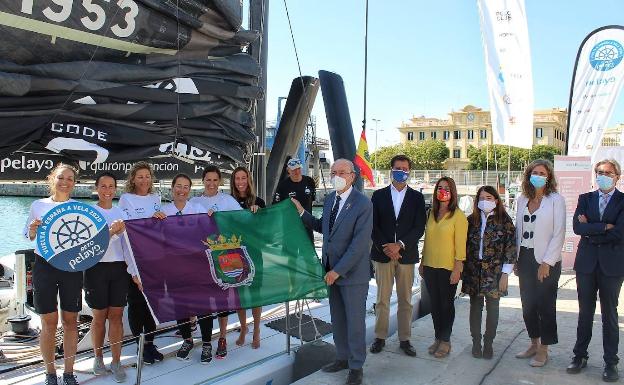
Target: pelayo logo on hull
[(73, 236)]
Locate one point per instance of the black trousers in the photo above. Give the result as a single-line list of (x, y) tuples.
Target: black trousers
[(442, 295), (205, 325), (587, 287), (139, 316), (539, 299), (476, 316)]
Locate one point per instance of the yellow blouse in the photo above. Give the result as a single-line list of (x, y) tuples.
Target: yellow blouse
[(445, 241)]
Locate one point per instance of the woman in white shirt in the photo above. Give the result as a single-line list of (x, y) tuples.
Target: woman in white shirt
[(139, 201), (213, 200), (181, 188), (48, 281), (106, 283), (540, 233)]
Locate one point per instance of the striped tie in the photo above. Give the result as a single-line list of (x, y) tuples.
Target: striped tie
[(334, 213), (603, 204)]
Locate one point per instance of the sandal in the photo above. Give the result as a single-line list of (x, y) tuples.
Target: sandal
[(443, 350), (432, 349)]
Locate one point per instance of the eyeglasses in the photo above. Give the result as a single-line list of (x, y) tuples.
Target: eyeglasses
[(604, 173)]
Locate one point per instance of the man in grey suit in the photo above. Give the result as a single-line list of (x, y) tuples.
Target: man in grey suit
[(346, 225)]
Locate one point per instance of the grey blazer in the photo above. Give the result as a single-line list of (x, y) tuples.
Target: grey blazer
[(347, 248)]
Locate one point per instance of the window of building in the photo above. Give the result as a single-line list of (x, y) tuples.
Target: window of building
[(456, 134), (457, 153), (470, 134), (447, 134), (483, 134), (421, 135), (410, 135), (539, 132), (434, 135)]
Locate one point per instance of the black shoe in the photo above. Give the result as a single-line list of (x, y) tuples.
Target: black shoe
[(355, 377), (576, 365), (51, 379), (377, 345), (148, 358), (206, 354), (610, 373), (156, 355), (335, 366), (185, 350), (69, 379), (477, 352), (407, 348), (488, 351)]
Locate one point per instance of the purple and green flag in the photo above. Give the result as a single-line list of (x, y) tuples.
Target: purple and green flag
[(195, 264)]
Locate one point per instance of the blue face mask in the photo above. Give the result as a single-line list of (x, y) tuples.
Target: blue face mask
[(538, 181), (604, 182), (400, 176)]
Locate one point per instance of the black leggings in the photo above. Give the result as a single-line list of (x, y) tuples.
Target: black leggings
[(139, 316), (205, 325), (442, 295)]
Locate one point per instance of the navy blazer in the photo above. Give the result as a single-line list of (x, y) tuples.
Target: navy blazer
[(600, 247), (347, 247), (408, 227)]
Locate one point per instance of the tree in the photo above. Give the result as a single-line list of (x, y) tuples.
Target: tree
[(542, 151), (430, 155), (498, 156)]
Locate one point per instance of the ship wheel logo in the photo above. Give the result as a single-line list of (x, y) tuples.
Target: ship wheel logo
[(606, 55), (73, 236), (72, 232)]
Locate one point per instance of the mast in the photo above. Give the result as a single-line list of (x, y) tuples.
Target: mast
[(259, 21)]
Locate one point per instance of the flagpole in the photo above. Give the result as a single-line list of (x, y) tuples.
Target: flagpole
[(365, 67)]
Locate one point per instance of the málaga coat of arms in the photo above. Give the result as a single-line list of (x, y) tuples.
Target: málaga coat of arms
[(230, 264)]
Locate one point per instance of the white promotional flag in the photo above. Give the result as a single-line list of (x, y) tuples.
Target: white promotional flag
[(508, 64), (596, 84)]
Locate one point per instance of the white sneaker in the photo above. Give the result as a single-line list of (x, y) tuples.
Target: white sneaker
[(98, 366), (119, 373)]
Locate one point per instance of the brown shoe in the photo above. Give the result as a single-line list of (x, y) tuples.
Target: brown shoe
[(530, 352), (541, 357), (443, 350), (432, 349)]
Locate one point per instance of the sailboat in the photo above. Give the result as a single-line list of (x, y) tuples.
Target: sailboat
[(137, 79)]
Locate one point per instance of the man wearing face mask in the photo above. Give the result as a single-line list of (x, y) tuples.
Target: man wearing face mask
[(599, 266), (398, 223), (298, 186), (346, 225)]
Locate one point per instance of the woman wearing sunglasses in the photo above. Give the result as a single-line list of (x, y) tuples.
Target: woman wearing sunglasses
[(540, 232), (443, 255)]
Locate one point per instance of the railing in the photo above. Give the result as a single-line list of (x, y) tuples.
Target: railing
[(461, 177)]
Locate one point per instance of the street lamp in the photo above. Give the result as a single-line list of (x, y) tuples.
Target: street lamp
[(376, 144)]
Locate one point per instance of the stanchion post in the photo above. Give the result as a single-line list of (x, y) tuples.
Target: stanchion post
[(140, 358), (288, 327)]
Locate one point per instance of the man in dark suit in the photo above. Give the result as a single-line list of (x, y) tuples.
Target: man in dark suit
[(398, 223), (599, 266), (346, 225)]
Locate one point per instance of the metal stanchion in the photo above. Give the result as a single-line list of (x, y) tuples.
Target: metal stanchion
[(288, 328), (140, 358)]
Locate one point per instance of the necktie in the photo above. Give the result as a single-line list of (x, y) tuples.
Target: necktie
[(603, 204), (334, 213)]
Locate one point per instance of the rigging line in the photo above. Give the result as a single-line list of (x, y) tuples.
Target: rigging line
[(177, 90), (305, 97)]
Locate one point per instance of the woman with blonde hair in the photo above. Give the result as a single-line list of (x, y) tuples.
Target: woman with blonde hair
[(242, 189), (540, 233), (50, 282), (443, 255), (139, 201)]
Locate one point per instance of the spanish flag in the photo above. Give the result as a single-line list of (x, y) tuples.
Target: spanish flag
[(362, 159)]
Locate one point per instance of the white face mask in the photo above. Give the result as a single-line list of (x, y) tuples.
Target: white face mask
[(486, 206), (339, 183)]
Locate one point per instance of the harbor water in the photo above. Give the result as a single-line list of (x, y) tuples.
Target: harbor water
[(14, 211)]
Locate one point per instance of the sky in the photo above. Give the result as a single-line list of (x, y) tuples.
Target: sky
[(424, 57)]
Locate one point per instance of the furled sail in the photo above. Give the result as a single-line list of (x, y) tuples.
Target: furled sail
[(122, 80)]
